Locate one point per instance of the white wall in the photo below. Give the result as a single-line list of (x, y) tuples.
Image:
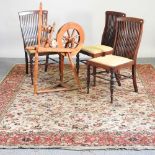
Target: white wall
[(90, 14)]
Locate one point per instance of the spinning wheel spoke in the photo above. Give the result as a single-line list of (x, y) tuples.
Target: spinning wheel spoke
[(76, 42), (77, 36), (73, 33), (64, 38), (67, 44), (68, 33)]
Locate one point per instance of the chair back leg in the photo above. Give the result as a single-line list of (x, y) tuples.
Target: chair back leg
[(26, 62), (46, 64), (118, 78), (112, 85), (88, 78), (31, 68), (134, 78), (77, 63), (94, 75)]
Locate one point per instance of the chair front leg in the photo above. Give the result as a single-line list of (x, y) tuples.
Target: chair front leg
[(78, 63), (134, 78), (26, 63), (46, 63), (36, 73), (88, 78), (112, 84), (31, 67)]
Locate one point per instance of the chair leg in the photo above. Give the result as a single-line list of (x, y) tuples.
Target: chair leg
[(36, 74), (88, 78), (134, 78), (78, 63), (31, 67), (112, 85), (118, 78), (26, 63), (94, 76), (46, 64)]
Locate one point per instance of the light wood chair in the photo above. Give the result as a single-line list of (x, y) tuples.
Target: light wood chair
[(128, 36), (29, 29), (107, 41)]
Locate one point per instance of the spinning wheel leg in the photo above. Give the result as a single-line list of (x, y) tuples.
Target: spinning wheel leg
[(36, 74), (74, 71), (61, 67)]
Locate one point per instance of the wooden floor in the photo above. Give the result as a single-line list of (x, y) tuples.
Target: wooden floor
[(5, 65)]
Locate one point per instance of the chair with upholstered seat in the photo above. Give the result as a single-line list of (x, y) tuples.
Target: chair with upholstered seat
[(126, 45), (29, 29), (107, 41)]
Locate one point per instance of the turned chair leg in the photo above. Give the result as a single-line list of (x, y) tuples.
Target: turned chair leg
[(94, 76), (134, 78), (112, 85), (26, 63), (46, 64), (118, 78), (77, 63), (88, 78), (31, 67), (36, 73)]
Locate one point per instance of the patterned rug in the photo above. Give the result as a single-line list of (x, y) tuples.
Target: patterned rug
[(76, 120)]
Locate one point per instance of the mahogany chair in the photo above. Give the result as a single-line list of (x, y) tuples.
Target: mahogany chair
[(128, 36), (29, 29), (107, 40)]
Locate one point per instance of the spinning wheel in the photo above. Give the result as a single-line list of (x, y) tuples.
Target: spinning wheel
[(70, 35), (70, 38)]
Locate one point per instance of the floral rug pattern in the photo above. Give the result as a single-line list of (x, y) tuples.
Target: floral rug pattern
[(74, 119)]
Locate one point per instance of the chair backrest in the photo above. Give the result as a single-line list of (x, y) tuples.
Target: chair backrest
[(108, 36), (29, 25), (128, 36)]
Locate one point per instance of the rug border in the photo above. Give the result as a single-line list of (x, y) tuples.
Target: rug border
[(6, 108), (150, 97)]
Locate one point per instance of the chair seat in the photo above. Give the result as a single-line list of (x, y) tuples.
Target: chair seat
[(31, 49), (111, 60), (95, 49)]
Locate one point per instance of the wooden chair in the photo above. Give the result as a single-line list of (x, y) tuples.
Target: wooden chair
[(107, 40), (126, 45), (29, 29)]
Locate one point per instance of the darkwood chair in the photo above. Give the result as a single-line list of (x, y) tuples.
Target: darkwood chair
[(29, 29), (128, 36), (107, 40)]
